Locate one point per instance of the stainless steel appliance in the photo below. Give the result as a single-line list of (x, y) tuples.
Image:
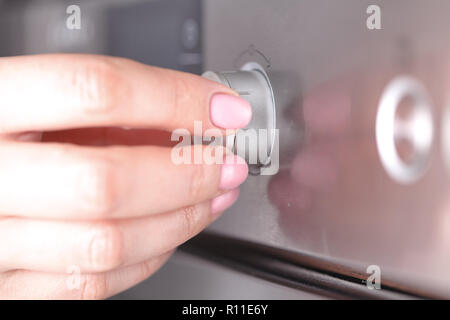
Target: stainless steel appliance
[(362, 98)]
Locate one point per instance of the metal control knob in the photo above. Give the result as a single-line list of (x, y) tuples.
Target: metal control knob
[(417, 129), (254, 143)]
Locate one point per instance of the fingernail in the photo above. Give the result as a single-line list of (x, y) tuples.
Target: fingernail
[(234, 172), (224, 201), (230, 112)]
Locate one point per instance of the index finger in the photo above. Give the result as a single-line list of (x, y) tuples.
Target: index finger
[(61, 91)]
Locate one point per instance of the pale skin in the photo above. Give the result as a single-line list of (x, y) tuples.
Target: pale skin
[(76, 190)]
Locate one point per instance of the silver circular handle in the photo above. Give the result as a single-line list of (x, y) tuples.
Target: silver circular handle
[(255, 143), (418, 129)]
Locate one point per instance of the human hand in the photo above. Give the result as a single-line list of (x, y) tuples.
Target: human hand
[(77, 191)]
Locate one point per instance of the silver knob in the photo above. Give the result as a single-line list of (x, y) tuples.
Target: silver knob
[(255, 143)]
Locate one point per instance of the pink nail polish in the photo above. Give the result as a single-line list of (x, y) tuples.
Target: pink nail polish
[(230, 112), (224, 201), (234, 172)]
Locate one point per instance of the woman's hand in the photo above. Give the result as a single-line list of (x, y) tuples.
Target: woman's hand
[(110, 212)]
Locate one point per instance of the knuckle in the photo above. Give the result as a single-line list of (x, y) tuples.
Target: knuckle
[(7, 280), (93, 287), (148, 268), (98, 188), (105, 250), (198, 181), (96, 83), (190, 222), (181, 98)]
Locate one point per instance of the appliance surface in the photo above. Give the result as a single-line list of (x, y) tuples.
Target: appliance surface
[(357, 190), (188, 277), (334, 200)]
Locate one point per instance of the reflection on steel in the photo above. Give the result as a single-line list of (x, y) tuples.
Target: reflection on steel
[(299, 271), (418, 129)]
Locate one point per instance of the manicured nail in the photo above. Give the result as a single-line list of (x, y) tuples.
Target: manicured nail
[(230, 112), (234, 172), (224, 201)]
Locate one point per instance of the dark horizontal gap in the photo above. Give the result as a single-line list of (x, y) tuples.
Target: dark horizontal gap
[(292, 269)]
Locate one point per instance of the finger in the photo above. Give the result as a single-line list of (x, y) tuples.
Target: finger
[(24, 284), (53, 246), (73, 182), (50, 92)]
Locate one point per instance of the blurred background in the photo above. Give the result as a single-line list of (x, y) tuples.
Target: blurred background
[(337, 208)]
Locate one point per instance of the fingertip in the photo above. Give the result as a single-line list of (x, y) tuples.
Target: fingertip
[(233, 173), (224, 201), (229, 111)]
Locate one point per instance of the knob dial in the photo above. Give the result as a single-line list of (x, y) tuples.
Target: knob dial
[(254, 143)]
